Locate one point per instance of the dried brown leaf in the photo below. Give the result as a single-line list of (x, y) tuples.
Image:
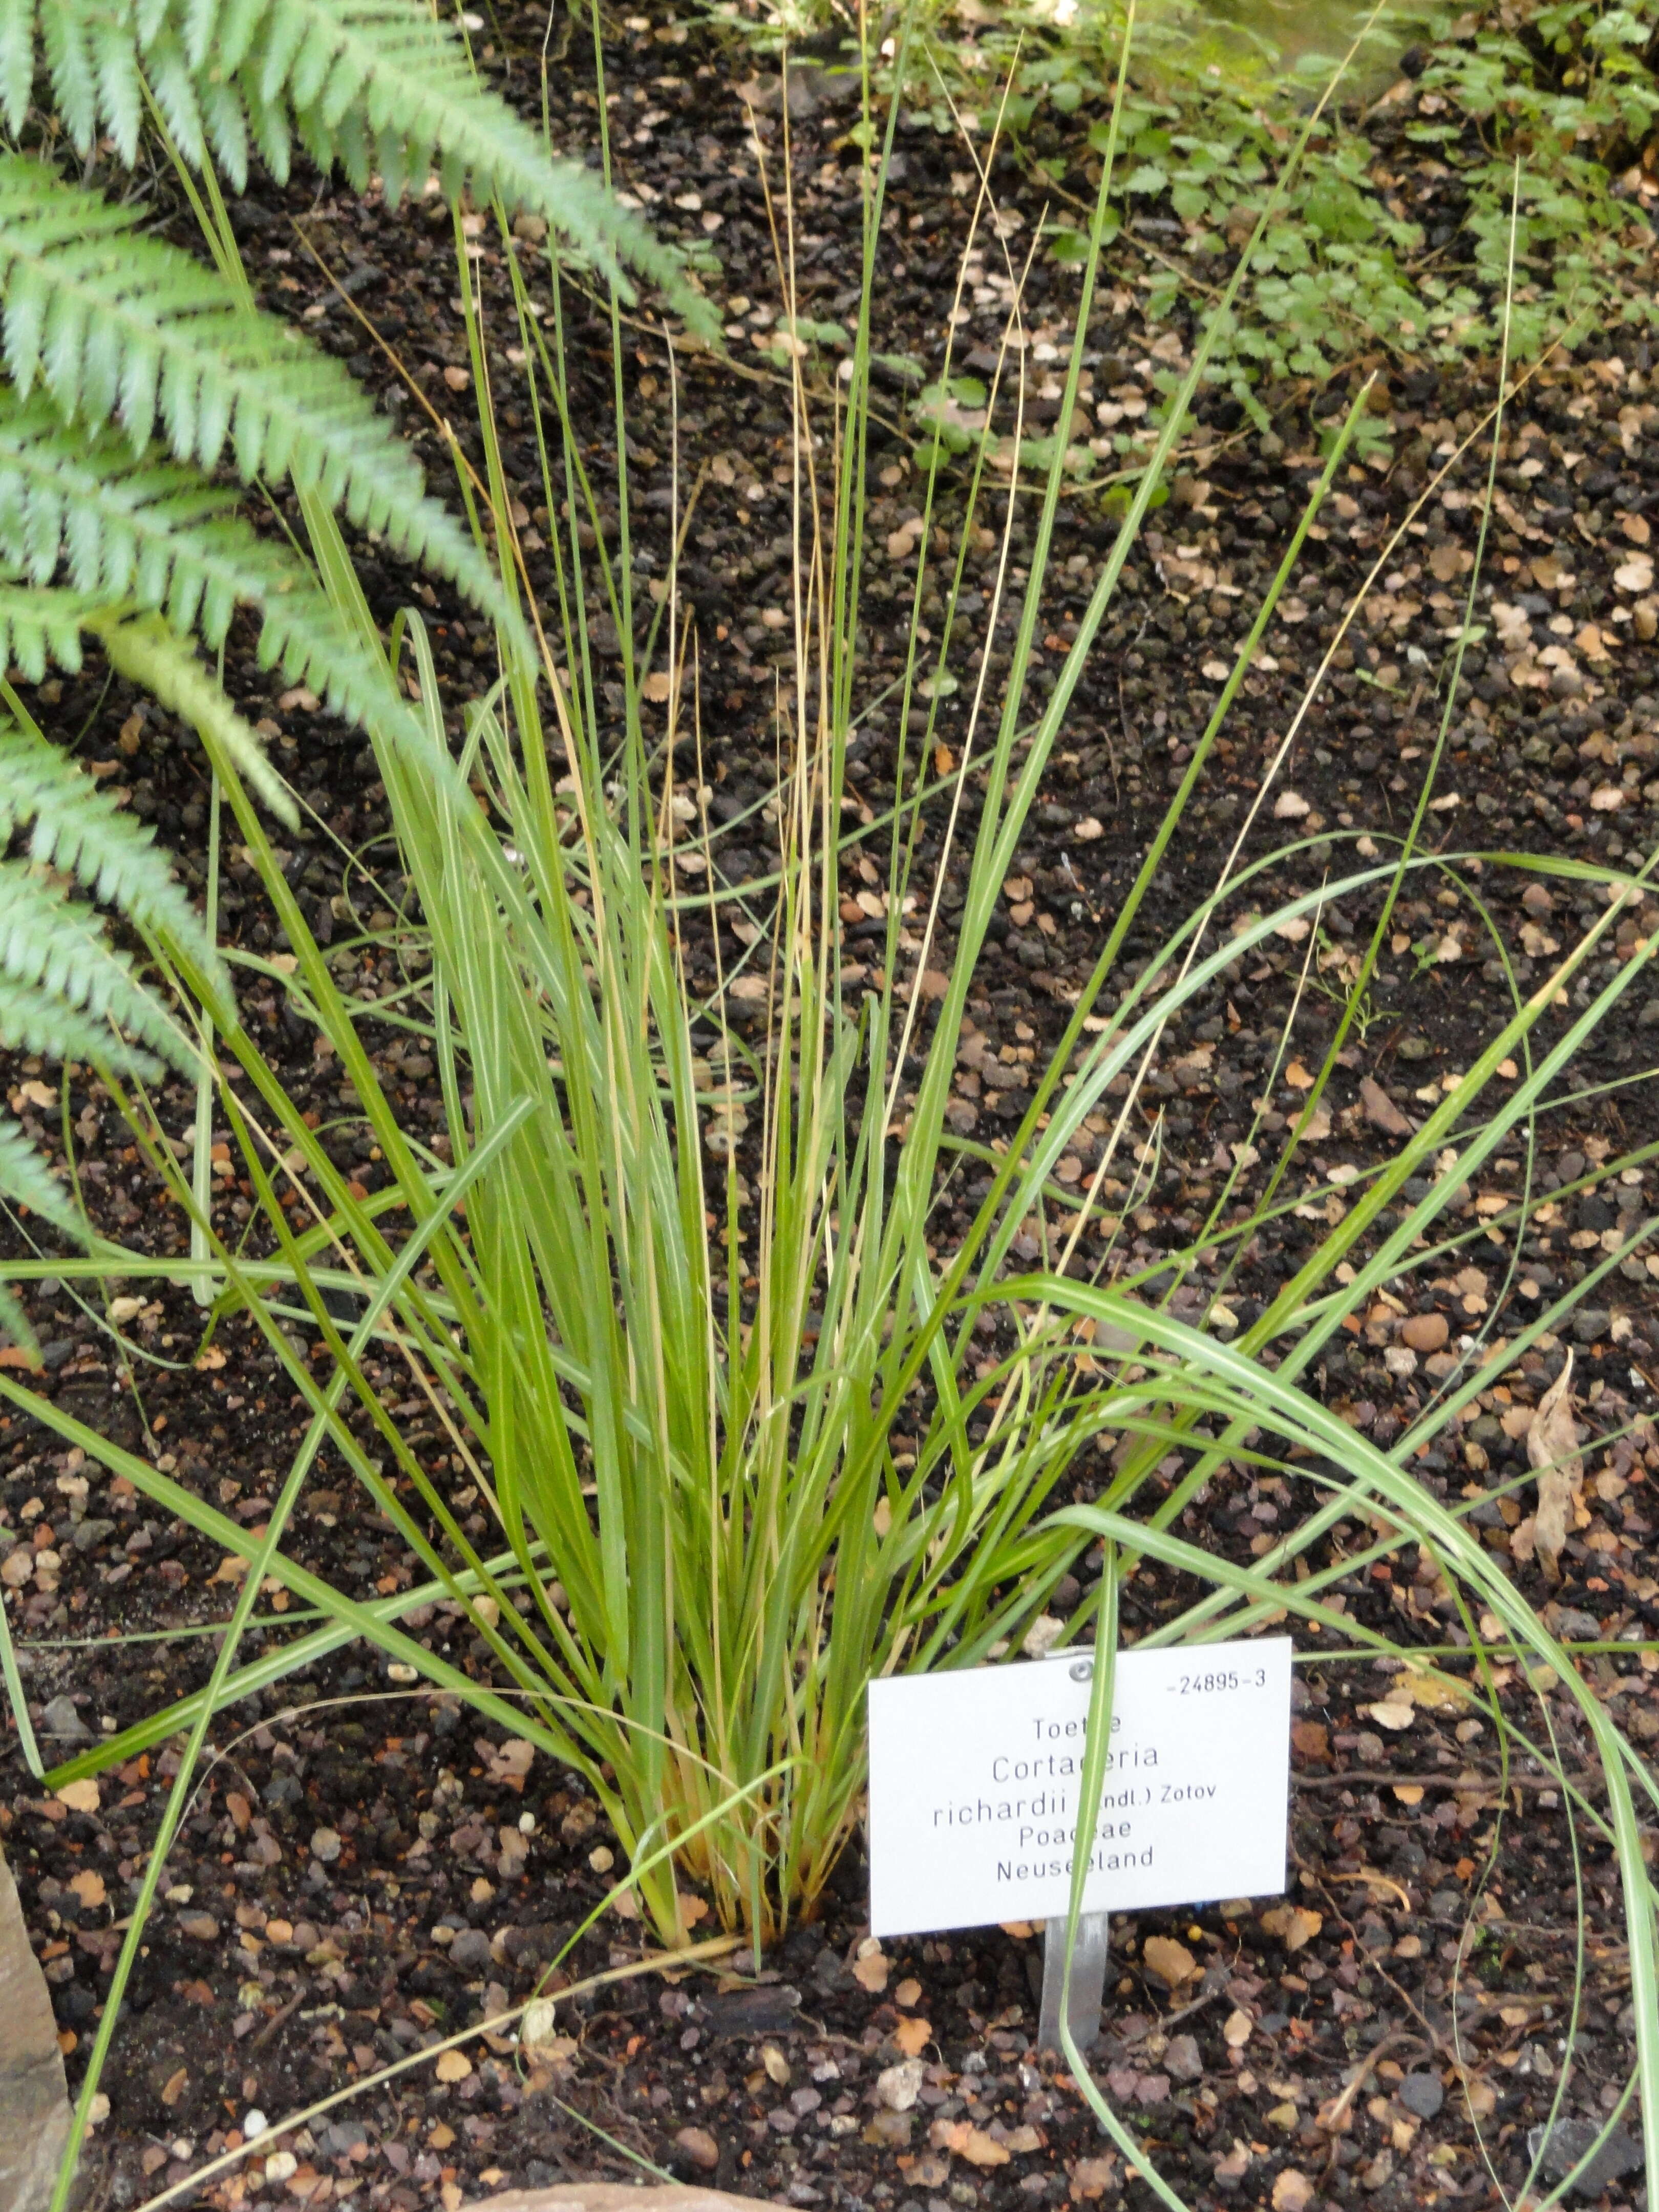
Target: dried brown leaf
[(1552, 1451), (1380, 1110), (979, 2148), (1293, 1924), (871, 1967), (1172, 1962), (1093, 2177)]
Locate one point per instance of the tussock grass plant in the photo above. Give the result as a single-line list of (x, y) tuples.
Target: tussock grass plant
[(747, 1423)]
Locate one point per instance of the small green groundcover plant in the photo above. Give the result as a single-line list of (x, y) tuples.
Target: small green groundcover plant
[(1372, 255), (767, 1378)]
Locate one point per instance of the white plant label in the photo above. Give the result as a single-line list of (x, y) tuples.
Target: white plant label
[(974, 1786)]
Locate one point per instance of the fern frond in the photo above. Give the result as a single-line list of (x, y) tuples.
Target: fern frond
[(32, 1020), (39, 628), (15, 1324), (369, 85), (135, 528), (116, 324), (25, 1180), (78, 828), (154, 656), (30, 1184), (57, 946)]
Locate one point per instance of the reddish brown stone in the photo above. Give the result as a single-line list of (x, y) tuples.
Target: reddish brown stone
[(1424, 1331)]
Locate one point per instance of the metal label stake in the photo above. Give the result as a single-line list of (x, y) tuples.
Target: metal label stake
[(1088, 1980), (1088, 1961)]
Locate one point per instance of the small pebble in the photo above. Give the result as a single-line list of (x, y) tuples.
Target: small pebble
[(1181, 2060), (471, 1949), (1424, 1331), (325, 1846), (700, 2147), (1422, 2095), (62, 1722), (1559, 2150), (899, 2086)]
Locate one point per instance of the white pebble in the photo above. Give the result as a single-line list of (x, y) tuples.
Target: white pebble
[(253, 2123)]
